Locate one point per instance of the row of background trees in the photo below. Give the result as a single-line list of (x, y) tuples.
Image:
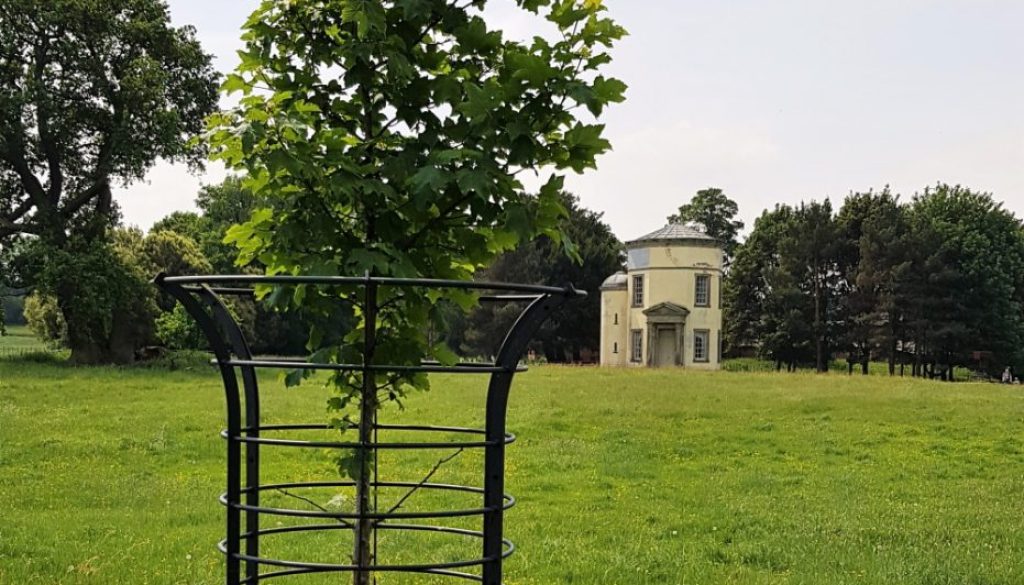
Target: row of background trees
[(192, 242), (931, 283), (927, 284)]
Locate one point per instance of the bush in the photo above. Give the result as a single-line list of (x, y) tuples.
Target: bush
[(45, 319), (177, 330)]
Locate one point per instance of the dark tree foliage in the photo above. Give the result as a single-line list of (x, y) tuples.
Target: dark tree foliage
[(809, 253), (130, 260), (964, 290), (91, 92), (937, 283), (747, 289), (713, 211), (576, 328), (872, 257), (222, 206)]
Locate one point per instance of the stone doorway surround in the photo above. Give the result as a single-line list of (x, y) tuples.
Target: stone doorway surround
[(665, 319)]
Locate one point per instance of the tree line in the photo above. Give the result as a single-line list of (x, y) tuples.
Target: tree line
[(192, 242), (926, 284)]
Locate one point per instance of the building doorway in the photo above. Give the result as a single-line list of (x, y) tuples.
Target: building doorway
[(665, 351)]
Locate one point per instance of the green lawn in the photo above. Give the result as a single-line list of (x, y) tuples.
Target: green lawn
[(19, 339), (623, 477)]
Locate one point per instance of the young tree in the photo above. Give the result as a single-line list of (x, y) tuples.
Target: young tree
[(712, 210), (91, 92), (388, 137)]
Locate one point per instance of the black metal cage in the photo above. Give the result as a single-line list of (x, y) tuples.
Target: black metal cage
[(202, 297)]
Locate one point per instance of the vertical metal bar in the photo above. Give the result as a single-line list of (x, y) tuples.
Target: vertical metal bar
[(512, 349), (251, 392), (223, 354)]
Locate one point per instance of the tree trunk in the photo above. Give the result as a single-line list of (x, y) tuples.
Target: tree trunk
[(362, 554), (864, 366), (88, 342), (85, 348), (892, 358), (819, 335)]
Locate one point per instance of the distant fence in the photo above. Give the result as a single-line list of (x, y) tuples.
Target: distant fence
[(25, 352)]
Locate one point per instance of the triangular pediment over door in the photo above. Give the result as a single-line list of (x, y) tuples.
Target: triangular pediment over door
[(667, 311)]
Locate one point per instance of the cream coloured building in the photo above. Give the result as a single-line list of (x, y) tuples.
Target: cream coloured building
[(666, 309)]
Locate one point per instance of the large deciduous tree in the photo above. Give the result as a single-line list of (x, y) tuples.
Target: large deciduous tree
[(389, 137), (92, 92), (715, 212)]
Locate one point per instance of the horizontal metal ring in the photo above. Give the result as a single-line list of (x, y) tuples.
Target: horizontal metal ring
[(364, 280), (423, 368), (509, 549), (509, 501), (263, 440), (441, 572)]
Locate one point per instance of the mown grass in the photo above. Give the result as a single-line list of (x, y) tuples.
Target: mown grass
[(19, 337), (623, 476)]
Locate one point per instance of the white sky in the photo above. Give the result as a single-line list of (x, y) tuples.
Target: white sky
[(777, 101)]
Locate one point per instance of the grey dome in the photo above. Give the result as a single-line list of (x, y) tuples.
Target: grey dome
[(674, 232), (615, 282)]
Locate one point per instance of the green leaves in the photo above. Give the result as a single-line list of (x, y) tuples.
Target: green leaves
[(235, 83), (387, 138), (605, 91), (533, 69), (367, 15), (583, 143)]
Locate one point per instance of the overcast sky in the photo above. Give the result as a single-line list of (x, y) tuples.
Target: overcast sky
[(770, 100)]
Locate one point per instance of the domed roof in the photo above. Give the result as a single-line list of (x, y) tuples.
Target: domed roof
[(674, 232), (615, 281)]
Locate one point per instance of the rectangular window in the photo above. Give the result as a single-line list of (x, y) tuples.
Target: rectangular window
[(701, 342), (615, 347), (638, 291), (636, 348), (702, 296)]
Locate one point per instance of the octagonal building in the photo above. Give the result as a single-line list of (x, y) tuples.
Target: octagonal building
[(666, 309)]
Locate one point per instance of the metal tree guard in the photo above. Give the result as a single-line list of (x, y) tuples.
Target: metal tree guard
[(202, 298)]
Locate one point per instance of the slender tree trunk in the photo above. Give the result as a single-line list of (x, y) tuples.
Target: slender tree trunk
[(363, 550), (892, 358), (819, 335), (864, 366)]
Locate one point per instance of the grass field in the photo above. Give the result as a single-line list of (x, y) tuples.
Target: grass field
[(623, 477), (19, 340)]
